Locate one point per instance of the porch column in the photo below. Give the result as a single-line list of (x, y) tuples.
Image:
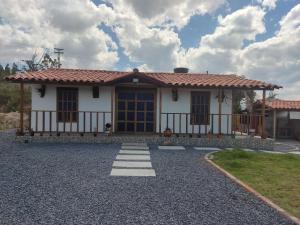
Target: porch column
[(113, 97), (274, 123), (220, 110), (263, 112), (160, 109), (21, 108)]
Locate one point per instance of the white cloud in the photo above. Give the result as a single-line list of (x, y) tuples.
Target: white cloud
[(166, 12), (277, 59), (33, 24), (243, 24), (268, 4), (217, 51), (291, 21), (145, 29), (147, 34), (154, 47)]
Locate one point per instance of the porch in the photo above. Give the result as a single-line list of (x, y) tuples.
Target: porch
[(56, 123)]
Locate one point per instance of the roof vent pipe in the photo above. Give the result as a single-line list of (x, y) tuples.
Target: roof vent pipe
[(181, 70)]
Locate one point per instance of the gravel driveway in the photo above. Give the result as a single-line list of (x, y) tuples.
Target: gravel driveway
[(70, 184)]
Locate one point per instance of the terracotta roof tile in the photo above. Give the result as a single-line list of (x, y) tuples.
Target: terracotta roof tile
[(169, 79), (283, 104)]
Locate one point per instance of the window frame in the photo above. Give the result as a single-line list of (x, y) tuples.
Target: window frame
[(61, 119), (200, 93)]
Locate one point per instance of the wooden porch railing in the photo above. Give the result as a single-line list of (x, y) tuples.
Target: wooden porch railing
[(68, 121), (41, 121), (187, 123)]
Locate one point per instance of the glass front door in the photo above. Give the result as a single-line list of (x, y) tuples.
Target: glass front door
[(135, 111)]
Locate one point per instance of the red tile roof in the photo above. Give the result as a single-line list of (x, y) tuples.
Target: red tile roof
[(283, 104), (168, 79)]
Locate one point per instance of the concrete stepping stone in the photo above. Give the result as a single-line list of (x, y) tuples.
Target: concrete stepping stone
[(132, 164), (207, 149), (133, 172), (170, 147), (134, 147), (134, 144), (135, 152), (133, 157)]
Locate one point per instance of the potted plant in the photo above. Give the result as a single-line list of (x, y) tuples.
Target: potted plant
[(108, 128), (167, 132)]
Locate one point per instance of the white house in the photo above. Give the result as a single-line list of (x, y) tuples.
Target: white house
[(92, 101)]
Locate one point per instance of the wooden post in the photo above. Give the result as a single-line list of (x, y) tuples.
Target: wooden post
[(113, 107), (263, 114), (22, 109), (220, 110), (160, 109), (274, 123)]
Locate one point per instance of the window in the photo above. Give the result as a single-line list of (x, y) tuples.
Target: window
[(200, 102), (67, 104), (95, 90)]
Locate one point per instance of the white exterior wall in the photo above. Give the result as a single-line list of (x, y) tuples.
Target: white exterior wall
[(86, 102), (183, 105)]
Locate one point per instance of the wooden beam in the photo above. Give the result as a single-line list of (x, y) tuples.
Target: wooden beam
[(21, 109), (263, 113), (220, 110), (274, 123)]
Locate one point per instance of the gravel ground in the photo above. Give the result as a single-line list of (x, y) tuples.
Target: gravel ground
[(70, 184)]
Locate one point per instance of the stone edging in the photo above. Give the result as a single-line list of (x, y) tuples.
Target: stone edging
[(251, 190)]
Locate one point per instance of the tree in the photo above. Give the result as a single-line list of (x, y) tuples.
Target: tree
[(14, 68), (7, 70), (243, 99), (1, 72), (272, 95), (44, 62)]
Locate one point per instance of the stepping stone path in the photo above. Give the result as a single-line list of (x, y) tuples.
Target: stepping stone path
[(170, 147), (133, 160)]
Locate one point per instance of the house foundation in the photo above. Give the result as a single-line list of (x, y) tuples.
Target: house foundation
[(222, 142)]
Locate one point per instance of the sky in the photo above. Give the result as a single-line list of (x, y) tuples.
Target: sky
[(258, 39)]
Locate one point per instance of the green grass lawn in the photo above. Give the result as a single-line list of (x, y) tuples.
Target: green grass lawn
[(275, 176)]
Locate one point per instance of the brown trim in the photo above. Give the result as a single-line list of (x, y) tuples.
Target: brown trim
[(160, 109), (113, 109), (22, 109), (263, 112), (102, 83), (77, 104), (138, 75), (128, 89), (220, 110), (274, 124), (208, 93)]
